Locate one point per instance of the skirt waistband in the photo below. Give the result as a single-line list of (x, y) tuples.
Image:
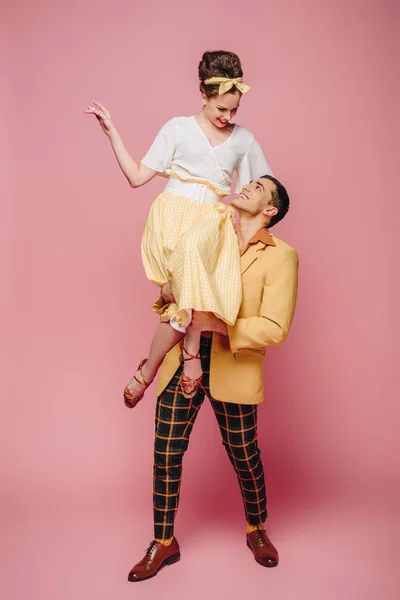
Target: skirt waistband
[(198, 192)]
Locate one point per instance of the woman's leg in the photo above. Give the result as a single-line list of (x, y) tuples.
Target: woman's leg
[(164, 339), (191, 344)]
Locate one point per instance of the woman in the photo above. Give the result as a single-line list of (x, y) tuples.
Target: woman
[(189, 239)]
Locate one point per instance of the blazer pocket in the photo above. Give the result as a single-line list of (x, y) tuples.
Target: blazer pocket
[(250, 354)]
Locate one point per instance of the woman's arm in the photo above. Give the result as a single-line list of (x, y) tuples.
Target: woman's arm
[(136, 173)]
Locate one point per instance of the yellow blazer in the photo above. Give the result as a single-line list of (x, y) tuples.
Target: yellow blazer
[(269, 280)]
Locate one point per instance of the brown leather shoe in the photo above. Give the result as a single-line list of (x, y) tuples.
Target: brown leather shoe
[(156, 557), (264, 552)]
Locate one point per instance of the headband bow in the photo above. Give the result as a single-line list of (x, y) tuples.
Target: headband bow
[(227, 84)]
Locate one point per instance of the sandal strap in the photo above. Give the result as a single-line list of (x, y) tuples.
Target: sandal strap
[(190, 386), (191, 356), (129, 396), (143, 382)]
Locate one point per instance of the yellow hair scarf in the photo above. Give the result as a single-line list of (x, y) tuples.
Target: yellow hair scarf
[(227, 84)]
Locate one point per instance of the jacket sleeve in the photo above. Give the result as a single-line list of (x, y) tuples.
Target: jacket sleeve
[(277, 308)]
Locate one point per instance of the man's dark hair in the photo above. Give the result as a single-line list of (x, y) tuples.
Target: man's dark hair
[(280, 199)]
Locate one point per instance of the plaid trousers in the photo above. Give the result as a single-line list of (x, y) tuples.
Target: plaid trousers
[(175, 417)]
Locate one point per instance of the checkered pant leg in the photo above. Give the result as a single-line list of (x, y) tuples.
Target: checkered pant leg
[(238, 426), (175, 416)]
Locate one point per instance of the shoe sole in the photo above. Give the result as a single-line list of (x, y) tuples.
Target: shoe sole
[(168, 561), (261, 563)]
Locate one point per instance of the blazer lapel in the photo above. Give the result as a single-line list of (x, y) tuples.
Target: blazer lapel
[(250, 256)]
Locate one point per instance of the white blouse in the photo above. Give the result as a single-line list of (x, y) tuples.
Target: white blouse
[(182, 148)]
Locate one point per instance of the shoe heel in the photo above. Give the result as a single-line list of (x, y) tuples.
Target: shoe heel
[(173, 559)]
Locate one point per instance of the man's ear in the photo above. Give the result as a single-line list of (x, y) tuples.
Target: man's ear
[(270, 211)]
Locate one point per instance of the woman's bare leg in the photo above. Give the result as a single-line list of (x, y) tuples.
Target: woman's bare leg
[(191, 343), (164, 339)]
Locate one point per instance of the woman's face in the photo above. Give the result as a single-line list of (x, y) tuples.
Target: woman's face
[(219, 110)]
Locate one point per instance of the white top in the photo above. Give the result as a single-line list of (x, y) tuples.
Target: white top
[(182, 148)]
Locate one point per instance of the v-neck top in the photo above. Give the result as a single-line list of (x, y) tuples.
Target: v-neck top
[(181, 149)]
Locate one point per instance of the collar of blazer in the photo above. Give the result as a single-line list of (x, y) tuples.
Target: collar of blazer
[(258, 242)]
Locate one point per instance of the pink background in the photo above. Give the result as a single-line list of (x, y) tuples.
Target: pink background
[(76, 465)]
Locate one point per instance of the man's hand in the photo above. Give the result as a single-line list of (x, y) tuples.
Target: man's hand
[(207, 321), (166, 293)]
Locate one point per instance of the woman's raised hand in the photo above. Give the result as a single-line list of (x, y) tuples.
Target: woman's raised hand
[(102, 115), (136, 174)]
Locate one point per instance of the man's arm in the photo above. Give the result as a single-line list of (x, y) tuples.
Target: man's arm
[(166, 293), (277, 309), (206, 321), (276, 313)]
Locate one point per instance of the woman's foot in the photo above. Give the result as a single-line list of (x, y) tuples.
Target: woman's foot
[(136, 388), (191, 366), (192, 374)]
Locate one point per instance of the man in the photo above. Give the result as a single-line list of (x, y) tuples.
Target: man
[(232, 362)]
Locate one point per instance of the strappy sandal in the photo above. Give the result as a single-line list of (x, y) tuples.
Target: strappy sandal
[(129, 399), (189, 386)]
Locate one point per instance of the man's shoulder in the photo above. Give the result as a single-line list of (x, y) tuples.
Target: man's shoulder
[(281, 253), (281, 256), (281, 250), (281, 246)]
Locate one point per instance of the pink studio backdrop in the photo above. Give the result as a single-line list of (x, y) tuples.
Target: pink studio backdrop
[(76, 306)]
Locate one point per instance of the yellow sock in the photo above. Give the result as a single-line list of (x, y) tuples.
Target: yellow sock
[(165, 542), (251, 528)]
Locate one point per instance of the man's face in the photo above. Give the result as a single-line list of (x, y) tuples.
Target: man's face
[(256, 198)]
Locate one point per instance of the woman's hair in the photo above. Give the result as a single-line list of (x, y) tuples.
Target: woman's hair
[(218, 63)]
